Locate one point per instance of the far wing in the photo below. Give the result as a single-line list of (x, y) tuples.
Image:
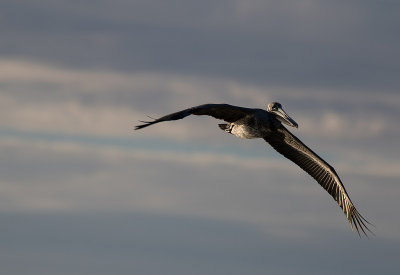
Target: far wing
[(225, 112), (292, 148)]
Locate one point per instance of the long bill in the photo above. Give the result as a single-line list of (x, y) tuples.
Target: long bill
[(283, 117)]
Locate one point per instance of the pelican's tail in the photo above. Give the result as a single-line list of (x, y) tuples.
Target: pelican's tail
[(226, 127)]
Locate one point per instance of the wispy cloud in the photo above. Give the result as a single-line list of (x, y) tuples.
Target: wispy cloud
[(44, 176), (312, 44), (40, 97)]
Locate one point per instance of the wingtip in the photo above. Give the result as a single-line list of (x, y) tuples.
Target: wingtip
[(138, 127), (358, 222), (145, 123)]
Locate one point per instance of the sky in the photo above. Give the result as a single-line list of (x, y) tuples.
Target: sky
[(81, 192)]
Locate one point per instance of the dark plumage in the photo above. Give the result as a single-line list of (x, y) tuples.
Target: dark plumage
[(267, 124)]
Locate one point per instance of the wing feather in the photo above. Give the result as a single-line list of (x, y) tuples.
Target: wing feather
[(292, 148), (226, 112)]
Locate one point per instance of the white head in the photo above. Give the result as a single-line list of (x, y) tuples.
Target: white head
[(276, 108)]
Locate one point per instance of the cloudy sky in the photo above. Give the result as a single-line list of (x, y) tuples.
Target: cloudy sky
[(81, 192)]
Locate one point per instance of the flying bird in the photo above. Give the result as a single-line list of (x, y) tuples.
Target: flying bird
[(267, 124)]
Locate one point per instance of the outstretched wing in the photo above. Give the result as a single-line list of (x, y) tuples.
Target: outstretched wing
[(225, 112), (292, 148)]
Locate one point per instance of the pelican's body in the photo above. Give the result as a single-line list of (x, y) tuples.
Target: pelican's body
[(250, 123), (257, 125)]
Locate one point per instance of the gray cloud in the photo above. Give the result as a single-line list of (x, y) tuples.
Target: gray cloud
[(106, 243), (37, 96), (46, 176), (311, 44)]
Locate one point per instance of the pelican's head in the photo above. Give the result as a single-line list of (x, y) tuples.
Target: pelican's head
[(276, 108)]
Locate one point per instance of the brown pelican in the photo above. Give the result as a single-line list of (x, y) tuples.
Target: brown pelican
[(257, 123)]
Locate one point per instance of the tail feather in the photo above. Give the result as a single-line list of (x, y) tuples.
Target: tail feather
[(226, 127), (223, 127)]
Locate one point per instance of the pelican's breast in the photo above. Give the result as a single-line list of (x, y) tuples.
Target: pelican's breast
[(246, 131)]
